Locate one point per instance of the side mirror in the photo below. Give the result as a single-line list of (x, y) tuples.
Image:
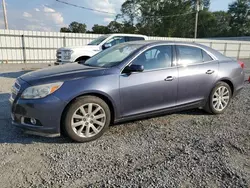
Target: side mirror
[(134, 68), (106, 45)]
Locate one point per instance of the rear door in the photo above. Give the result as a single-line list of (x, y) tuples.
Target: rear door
[(197, 72)]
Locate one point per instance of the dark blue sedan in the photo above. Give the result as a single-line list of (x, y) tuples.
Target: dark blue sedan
[(128, 81)]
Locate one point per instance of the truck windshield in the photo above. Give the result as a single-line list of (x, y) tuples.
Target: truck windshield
[(99, 40), (112, 56)]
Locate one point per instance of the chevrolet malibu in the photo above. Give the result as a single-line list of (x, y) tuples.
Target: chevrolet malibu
[(128, 81)]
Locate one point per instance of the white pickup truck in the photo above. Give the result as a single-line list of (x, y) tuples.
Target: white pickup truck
[(72, 54)]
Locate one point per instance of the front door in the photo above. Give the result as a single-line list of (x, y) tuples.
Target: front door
[(153, 89)]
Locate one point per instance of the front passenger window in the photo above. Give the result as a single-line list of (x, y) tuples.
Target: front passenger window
[(155, 58)]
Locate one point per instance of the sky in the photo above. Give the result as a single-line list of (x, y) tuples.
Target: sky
[(50, 15)]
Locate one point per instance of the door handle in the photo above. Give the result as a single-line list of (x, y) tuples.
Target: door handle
[(210, 72), (169, 78)]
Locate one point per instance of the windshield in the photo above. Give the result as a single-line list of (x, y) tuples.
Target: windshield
[(99, 40), (112, 56)]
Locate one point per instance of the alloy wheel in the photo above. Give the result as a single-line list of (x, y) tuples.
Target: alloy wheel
[(88, 120), (221, 98)]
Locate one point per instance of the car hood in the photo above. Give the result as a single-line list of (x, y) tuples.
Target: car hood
[(86, 47), (62, 73)]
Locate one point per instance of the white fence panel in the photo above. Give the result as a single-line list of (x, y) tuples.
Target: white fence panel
[(18, 46)]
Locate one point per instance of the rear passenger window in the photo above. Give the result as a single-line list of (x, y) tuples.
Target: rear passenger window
[(206, 57), (134, 38), (189, 55)]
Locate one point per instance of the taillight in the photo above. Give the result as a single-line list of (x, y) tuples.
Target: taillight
[(241, 64)]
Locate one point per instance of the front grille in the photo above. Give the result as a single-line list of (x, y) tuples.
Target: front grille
[(59, 56)]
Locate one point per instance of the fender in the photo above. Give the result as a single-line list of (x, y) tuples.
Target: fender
[(97, 93)]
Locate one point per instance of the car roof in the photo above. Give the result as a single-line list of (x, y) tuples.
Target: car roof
[(130, 35), (155, 42)]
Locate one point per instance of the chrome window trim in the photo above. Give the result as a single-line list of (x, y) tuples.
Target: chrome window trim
[(214, 59), (175, 60)]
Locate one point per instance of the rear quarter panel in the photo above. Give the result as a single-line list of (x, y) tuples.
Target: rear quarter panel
[(231, 70)]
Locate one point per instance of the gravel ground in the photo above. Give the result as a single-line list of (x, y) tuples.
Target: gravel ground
[(187, 149)]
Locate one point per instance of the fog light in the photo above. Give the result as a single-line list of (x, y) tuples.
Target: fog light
[(33, 121)]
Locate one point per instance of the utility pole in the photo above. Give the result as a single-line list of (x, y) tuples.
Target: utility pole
[(5, 15), (196, 18)]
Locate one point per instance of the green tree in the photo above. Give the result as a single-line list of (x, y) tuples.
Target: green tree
[(65, 30), (239, 18), (115, 27), (100, 29), (75, 27), (206, 24), (160, 17), (129, 11), (174, 18), (222, 24)]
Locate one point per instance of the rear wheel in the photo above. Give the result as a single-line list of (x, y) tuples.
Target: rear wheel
[(87, 119), (219, 98)]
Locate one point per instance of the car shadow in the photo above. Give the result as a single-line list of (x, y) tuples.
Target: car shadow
[(191, 112), (195, 111), (13, 74)]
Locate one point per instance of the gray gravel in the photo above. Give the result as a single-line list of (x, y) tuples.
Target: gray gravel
[(187, 149)]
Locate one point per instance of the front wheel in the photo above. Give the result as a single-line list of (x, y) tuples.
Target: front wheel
[(87, 119), (219, 98)]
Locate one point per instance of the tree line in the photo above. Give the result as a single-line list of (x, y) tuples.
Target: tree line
[(174, 18)]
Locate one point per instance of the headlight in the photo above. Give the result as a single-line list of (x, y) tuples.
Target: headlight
[(40, 91), (67, 54)]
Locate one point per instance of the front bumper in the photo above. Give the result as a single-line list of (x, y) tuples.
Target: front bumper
[(47, 112)]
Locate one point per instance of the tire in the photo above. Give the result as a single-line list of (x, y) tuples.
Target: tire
[(86, 119), (221, 93), (82, 59)]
